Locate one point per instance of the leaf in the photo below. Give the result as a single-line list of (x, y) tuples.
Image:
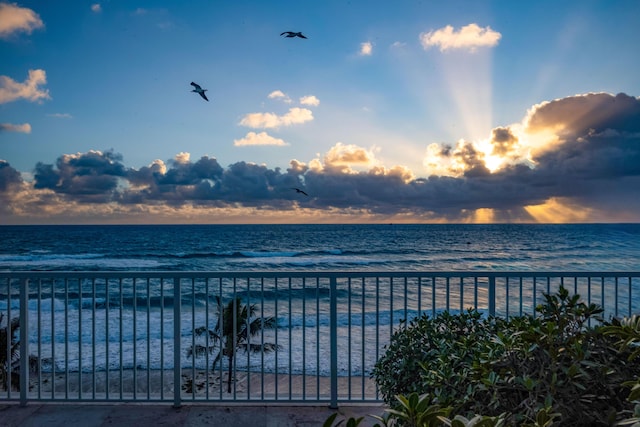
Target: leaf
[(329, 421)]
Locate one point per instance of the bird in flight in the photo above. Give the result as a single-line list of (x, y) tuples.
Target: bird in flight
[(299, 191), (293, 34), (199, 90)]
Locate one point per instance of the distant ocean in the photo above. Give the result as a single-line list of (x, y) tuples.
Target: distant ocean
[(389, 247), (518, 247)]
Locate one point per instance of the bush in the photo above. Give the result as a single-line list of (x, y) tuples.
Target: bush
[(486, 365)]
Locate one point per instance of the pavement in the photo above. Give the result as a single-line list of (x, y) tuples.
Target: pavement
[(144, 415)]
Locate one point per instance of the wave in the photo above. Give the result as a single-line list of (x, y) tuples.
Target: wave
[(40, 261), (247, 254)]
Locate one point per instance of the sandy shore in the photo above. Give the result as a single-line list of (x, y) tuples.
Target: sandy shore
[(199, 385)]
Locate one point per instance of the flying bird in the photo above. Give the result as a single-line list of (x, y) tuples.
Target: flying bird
[(291, 34), (299, 191), (199, 90)]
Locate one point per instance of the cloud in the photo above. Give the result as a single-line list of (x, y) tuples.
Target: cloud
[(469, 37), (261, 138), (310, 100), (88, 177), (271, 120), (349, 155), (278, 94), (8, 176), (10, 90), (591, 172), (15, 19), (96, 8), (182, 157), (8, 127), (366, 49)]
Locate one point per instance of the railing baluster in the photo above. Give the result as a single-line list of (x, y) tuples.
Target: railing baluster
[(66, 339), (333, 331), (492, 295), (24, 341), (177, 332)]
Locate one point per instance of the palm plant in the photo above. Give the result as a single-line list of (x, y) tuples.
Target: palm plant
[(236, 323), (9, 349)]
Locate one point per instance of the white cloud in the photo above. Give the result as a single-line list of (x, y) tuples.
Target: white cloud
[(10, 90), (60, 115), (468, 37), (278, 94), (270, 120), (8, 127), (345, 156), (261, 138), (182, 157), (310, 100), (96, 8), (366, 49), (14, 19)]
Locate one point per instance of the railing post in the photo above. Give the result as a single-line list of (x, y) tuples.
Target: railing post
[(492, 295), (177, 369), (24, 341), (333, 341)]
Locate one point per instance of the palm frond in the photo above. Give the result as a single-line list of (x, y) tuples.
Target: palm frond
[(261, 348), (200, 350)]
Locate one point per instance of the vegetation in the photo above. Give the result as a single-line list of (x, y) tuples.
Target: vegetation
[(10, 354), (537, 371), (236, 323)]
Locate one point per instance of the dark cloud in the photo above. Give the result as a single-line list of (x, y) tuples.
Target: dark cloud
[(503, 141), (9, 177), (600, 144), (89, 177), (472, 159), (580, 115)]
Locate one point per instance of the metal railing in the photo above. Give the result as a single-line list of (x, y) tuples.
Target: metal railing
[(134, 336)]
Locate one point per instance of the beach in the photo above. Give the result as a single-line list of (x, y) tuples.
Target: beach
[(196, 385)]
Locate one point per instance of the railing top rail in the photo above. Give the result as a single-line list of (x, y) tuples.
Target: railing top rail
[(24, 274)]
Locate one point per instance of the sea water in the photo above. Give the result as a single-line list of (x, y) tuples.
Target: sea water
[(338, 247)]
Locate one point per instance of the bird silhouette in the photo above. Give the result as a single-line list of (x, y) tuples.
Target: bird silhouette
[(291, 34), (299, 191), (198, 89)]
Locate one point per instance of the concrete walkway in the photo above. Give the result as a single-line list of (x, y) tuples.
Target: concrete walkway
[(143, 415)]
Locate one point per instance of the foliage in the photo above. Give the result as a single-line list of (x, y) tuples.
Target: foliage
[(446, 342), (236, 323), (416, 411), (350, 422), (10, 354), (627, 332), (9, 351), (533, 370)]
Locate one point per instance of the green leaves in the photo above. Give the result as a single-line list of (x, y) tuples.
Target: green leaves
[(417, 411), (350, 422), (554, 368)]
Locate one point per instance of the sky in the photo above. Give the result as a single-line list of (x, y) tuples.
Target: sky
[(387, 112)]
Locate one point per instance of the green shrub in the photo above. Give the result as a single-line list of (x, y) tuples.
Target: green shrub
[(553, 363)]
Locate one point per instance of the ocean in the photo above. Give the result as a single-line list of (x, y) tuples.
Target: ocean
[(136, 322), (517, 247)]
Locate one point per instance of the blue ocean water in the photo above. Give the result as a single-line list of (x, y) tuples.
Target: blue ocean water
[(136, 319), (521, 247)]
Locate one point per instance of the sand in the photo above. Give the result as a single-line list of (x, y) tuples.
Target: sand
[(155, 385)]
